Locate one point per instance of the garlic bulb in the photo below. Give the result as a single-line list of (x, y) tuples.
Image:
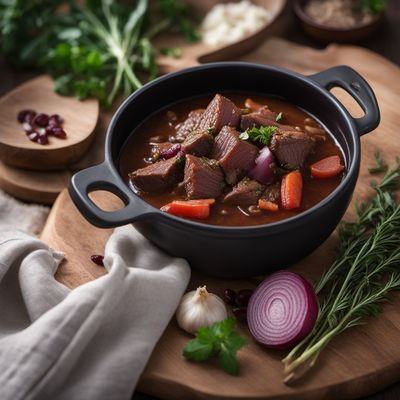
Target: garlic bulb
[(200, 308)]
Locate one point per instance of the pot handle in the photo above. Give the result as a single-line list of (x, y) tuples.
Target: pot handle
[(101, 177), (353, 83)]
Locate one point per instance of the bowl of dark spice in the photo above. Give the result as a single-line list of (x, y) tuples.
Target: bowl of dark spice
[(342, 21)]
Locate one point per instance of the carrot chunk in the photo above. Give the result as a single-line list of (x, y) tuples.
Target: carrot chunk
[(327, 167), (199, 201), (189, 209), (291, 190), (267, 205)]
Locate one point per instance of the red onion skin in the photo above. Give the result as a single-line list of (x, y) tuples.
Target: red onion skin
[(264, 169), (307, 321)]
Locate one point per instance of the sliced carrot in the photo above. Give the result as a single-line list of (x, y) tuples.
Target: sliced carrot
[(187, 209), (249, 103), (327, 167), (199, 201), (291, 190), (267, 205)]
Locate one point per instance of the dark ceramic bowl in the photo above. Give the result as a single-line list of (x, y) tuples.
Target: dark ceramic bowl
[(233, 251), (327, 34)]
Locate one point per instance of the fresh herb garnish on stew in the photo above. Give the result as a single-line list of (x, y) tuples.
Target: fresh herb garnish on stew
[(263, 134), (219, 340), (279, 117), (365, 272)]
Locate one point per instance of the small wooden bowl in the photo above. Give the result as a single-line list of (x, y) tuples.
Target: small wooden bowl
[(80, 120), (327, 34), (200, 52)]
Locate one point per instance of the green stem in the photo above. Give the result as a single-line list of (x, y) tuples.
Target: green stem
[(117, 83)]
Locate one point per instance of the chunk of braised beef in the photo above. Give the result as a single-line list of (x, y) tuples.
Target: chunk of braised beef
[(292, 147), (160, 176), (272, 193), (235, 156), (198, 143), (245, 193), (262, 117), (190, 124), (220, 112), (203, 178)]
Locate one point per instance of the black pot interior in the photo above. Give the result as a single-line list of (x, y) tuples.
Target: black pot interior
[(221, 78)]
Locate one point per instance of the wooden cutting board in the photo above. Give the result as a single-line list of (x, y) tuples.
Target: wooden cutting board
[(359, 362)]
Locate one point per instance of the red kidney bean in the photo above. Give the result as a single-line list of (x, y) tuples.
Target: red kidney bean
[(98, 259), (41, 119), (23, 114), (230, 297), (243, 297)]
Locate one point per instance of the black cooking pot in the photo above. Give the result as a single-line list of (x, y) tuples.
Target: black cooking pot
[(233, 251)]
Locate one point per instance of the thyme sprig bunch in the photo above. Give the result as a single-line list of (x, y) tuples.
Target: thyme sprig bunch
[(365, 271)]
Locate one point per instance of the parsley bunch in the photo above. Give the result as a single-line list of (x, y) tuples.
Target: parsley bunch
[(100, 49), (219, 340)]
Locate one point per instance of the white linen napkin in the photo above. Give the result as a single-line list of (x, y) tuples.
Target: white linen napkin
[(92, 342), (27, 217)]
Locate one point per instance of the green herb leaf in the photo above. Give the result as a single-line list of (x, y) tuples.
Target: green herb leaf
[(236, 342), (263, 134), (174, 52), (373, 6), (227, 360), (196, 350), (224, 328), (279, 117), (244, 135), (219, 340), (178, 14), (380, 166)]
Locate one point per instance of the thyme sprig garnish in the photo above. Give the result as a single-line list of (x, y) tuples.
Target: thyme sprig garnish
[(365, 271)]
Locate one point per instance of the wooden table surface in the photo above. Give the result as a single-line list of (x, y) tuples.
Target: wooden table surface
[(386, 42)]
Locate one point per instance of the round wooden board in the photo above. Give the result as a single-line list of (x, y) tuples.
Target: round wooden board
[(80, 118), (359, 362), (44, 186), (30, 186)]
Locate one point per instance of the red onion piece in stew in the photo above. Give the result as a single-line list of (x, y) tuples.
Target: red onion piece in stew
[(282, 310), (264, 170), (170, 152)]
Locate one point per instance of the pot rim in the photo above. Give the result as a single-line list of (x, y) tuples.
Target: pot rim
[(352, 169)]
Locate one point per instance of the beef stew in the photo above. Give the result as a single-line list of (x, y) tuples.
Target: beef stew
[(208, 148)]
